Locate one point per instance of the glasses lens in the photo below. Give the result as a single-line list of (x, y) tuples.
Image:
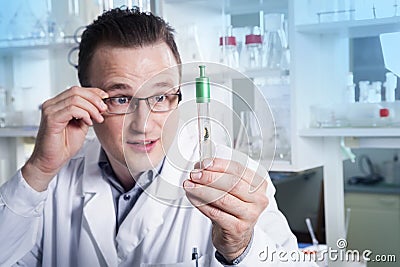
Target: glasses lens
[(118, 105), (163, 102)]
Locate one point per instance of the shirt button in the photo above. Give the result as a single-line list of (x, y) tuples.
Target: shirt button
[(127, 197)]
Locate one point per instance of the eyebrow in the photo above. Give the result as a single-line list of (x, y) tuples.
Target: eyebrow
[(158, 85), (118, 86), (162, 85)]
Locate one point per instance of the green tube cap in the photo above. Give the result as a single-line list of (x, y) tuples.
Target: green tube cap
[(202, 86)]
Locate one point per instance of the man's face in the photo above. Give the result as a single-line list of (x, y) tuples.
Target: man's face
[(141, 139)]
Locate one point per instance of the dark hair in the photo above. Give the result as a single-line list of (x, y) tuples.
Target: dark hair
[(123, 28)]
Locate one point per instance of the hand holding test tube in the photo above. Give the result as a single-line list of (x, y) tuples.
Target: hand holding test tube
[(203, 115)]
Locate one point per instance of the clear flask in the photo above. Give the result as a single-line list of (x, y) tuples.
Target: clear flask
[(189, 44), (229, 54), (252, 53), (21, 28), (3, 107), (249, 140), (73, 23), (275, 42), (282, 144), (54, 33)]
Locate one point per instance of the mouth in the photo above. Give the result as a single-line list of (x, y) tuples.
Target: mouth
[(143, 145)]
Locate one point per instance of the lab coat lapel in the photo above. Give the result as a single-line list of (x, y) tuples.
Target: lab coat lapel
[(98, 210), (148, 213), (153, 205)]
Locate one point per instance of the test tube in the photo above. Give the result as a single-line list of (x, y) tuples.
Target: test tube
[(203, 115)]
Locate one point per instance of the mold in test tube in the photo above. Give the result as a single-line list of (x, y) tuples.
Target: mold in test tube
[(203, 115)]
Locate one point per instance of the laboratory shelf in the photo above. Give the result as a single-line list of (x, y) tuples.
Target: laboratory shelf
[(218, 72), (236, 7), (350, 132), (23, 131), (13, 49), (359, 137), (353, 28), (287, 166)]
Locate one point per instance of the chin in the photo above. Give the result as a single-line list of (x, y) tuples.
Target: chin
[(143, 161)]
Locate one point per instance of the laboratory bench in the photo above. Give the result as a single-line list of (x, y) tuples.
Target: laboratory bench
[(380, 188), (374, 219)]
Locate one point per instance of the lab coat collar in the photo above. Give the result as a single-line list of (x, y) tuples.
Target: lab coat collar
[(98, 209)]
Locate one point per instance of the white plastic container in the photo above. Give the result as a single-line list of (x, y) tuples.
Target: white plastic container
[(350, 94), (370, 115), (390, 87), (375, 92), (364, 89)]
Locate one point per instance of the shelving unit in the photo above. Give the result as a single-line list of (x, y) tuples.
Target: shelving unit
[(326, 46), (10, 50), (350, 132), (353, 28)]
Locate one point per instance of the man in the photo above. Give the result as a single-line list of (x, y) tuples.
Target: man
[(82, 204)]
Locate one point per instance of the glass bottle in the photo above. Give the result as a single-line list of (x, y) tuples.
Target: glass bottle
[(229, 54), (275, 42), (252, 56), (282, 144), (249, 140)]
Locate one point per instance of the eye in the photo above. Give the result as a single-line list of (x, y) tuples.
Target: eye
[(121, 100), (160, 98)]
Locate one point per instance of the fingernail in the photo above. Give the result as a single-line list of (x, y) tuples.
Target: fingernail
[(195, 175), (103, 105), (188, 184), (207, 163), (104, 94)]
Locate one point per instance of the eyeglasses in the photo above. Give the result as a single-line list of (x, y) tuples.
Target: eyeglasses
[(127, 104)]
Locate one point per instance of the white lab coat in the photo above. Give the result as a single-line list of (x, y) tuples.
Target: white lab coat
[(73, 222)]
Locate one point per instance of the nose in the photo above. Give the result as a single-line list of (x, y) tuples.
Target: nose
[(141, 118)]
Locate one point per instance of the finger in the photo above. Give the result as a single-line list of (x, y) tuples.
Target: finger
[(82, 103), (72, 113), (235, 185), (216, 215), (201, 196), (235, 168), (93, 95)]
